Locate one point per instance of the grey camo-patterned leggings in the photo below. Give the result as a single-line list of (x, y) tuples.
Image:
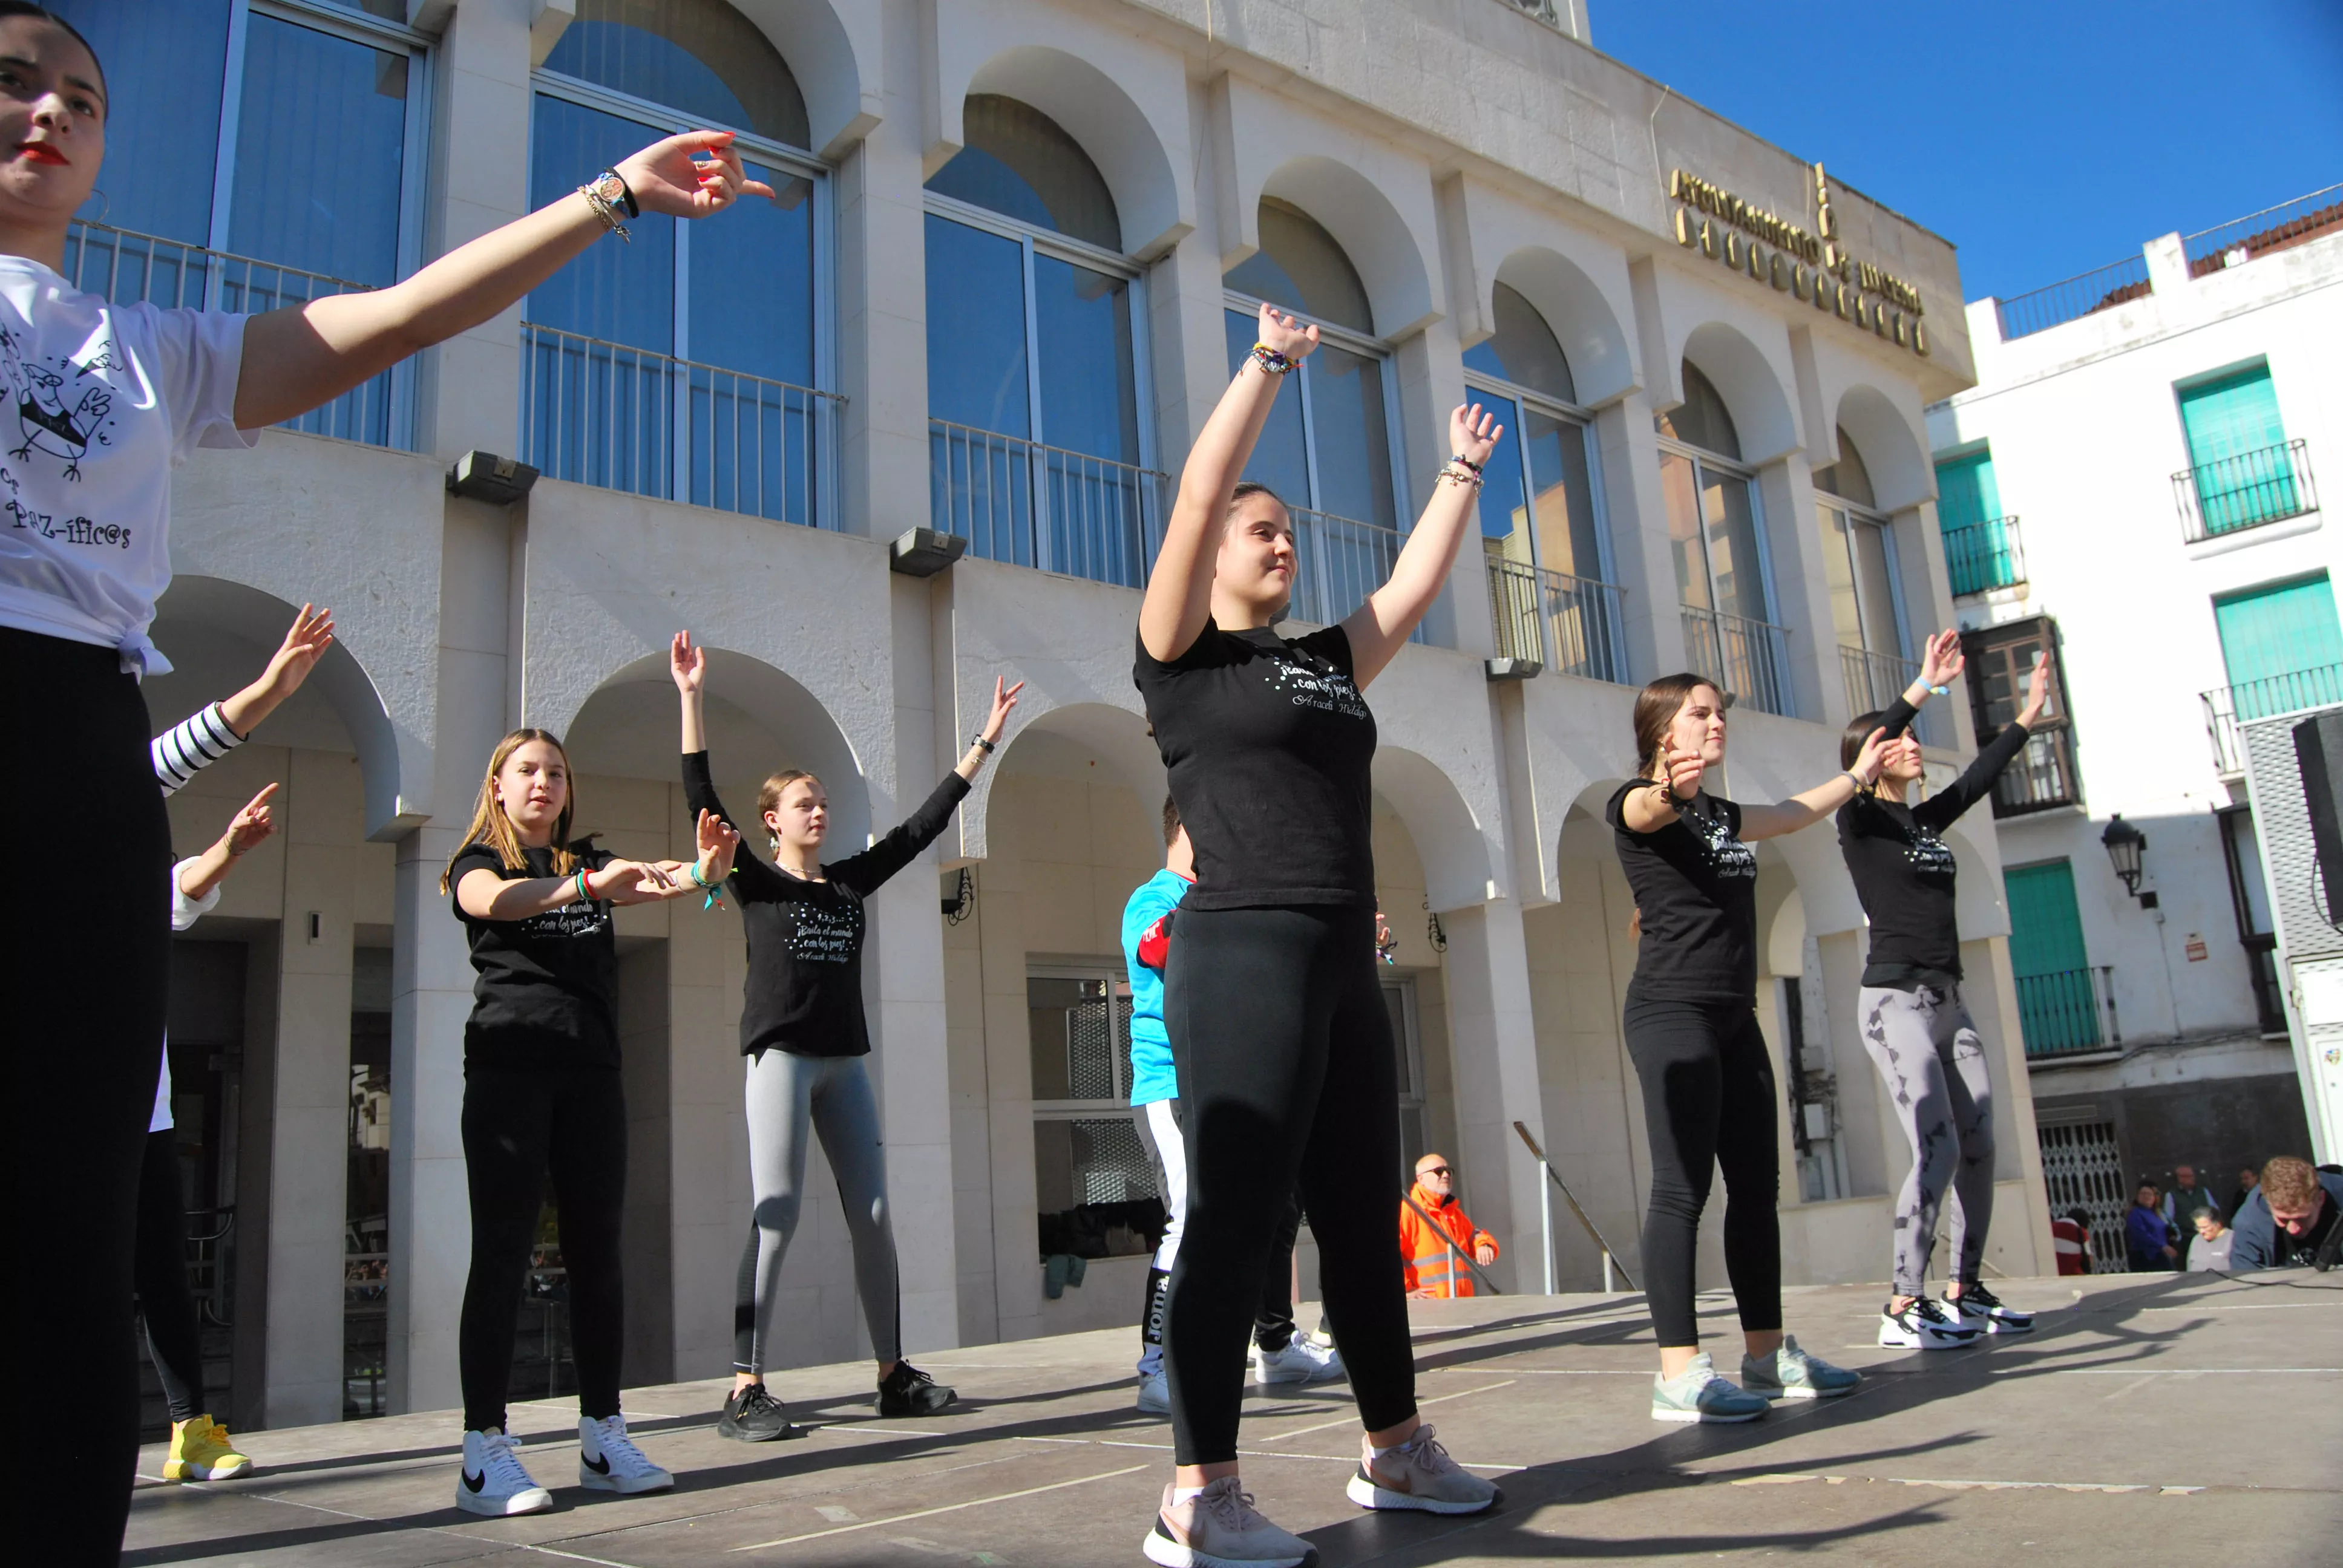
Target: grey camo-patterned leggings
[(1929, 1052)]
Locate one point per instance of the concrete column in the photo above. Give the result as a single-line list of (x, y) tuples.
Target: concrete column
[(1641, 555), (1794, 546), (1492, 1042), (883, 313), (322, 802)]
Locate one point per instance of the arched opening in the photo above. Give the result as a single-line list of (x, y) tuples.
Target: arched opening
[(700, 57), (1866, 584), (1552, 582), (1716, 531), (1037, 447), (1300, 267)]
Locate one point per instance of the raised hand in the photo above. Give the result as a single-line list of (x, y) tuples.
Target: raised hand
[(1942, 660), (688, 664), (1004, 703), (2037, 694), (717, 844), (249, 828), (1473, 435), (1870, 760), (1286, 333), (633, 882), (311, 634), (1684, 771), (689, 175)]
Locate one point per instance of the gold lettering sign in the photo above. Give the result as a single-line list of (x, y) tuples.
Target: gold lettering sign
[(1802, 262)]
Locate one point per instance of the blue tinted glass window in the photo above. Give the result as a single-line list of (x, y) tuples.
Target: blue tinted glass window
[(699, 57), (622, 293), (320, 147), (976, 328), (1020, 163), (767, 330), (164, 68), (1504, 495), (1089, 399), (1568, 536), (1279, 458), (1353, 447)]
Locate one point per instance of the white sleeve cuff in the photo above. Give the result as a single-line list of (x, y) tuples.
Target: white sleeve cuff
[(185, 911)]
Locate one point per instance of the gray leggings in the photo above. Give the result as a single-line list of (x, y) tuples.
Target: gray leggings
[(831, 1095), (1925, 1048)]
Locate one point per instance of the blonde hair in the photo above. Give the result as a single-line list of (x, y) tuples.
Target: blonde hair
[(491, 827), (769, 799)]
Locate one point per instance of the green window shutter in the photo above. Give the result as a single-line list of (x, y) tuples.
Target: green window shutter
[(2237, 451), (1977, 552), (2057, 1006), (2282, 645), (1965, 491)]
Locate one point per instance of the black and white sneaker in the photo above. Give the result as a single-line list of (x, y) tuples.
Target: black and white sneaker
[(609, 1461), (1979, 1308), (907, 1390), (753, 1415), (1925, 1326), (493, 1481)]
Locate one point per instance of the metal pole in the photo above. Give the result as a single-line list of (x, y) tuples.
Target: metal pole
[(1545, 1224), (1607, 1286)]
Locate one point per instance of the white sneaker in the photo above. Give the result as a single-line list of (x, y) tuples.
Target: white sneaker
[(1154, 1395), (609, 1461), (1302, 1360), (1979, 1308), (493, 1481), (1220, 1528), (1925, 1325)]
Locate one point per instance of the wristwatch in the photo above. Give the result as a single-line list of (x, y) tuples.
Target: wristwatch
[(611, 188)]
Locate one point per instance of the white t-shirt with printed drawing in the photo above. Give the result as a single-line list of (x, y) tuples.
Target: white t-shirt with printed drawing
[(98, 403), (185, 913)]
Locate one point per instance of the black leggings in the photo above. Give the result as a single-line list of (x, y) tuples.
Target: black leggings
[(85, 970), (161, 1272), (1708, 1102), (518, 1127), (1287, 1081)]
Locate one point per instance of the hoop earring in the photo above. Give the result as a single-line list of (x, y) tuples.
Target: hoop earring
[(104, 206)]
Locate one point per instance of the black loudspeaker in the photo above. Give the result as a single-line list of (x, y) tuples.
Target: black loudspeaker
[(2319, 751)]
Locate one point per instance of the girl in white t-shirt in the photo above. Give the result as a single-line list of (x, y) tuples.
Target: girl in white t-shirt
[(107, 399)]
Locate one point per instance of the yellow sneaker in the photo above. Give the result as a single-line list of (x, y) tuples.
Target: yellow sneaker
[(200, 1451)]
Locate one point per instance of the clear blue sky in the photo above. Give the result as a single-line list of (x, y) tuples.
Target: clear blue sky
[(2043, 138)]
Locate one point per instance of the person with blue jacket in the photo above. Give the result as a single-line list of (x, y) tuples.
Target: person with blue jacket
[(1155, 1091)]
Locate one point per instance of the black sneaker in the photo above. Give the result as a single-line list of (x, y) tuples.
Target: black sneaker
[(907, 1390), (752, 1415), (1979, 1308)]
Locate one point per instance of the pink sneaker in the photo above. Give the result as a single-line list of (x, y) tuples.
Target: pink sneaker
[(1219, 1528), (1418, 1475)]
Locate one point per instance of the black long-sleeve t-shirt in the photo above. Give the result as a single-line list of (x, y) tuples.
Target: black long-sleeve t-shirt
[(1903, 872), (804, 989), (545, 997)]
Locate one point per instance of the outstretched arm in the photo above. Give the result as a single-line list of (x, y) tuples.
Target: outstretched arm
[(305, 643), (1939, 810), (245, 830), (988, 739), (305, 355), (689, 666), (1810, 806), (1180, 589), (1380, 628)]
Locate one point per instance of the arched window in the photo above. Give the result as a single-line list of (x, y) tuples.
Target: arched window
[(1867, 592), (657, 366), (1549, 556), (1328, 448), (1039, 450), (1717, 528)]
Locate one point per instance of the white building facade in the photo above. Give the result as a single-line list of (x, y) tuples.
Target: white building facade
[(1017, 244), (2131, 490)]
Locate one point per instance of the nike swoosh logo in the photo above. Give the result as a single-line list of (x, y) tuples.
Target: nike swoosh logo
[(476, 1483), (597, 1464)]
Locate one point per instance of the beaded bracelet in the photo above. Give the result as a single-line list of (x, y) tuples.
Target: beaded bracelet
[(1272, 361), (603, 209), (584, 894), (1461, 472), (1461, 457)]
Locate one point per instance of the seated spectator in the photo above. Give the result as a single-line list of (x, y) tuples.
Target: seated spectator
[(2291, 1218), (2146, 1238), (2070, 1238), (2209, 1252)]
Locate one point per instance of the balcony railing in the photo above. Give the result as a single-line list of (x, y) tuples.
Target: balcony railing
[(2041, 778), (2245, 491), (1874, 680), (2061, 1012), (601, 413), (130, 268), (2227, 707), (1568, 624), (2101, 288), (1983, 556), (1751, 656), (1341, 561), (2275, 228), (1049, 507)]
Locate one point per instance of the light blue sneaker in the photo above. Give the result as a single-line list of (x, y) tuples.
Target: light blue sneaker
[(1698, 1394), (1792, 1374)]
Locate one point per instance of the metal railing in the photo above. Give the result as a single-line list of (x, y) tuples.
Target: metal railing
[(600, 413), (1751, 656), (1565, 623), (2227, 707), (129, 268), (1874, 680), (2041, 778), (2259, 233), (1339, 562), (1983, 556), (2245, 491), (2058, 1012), (2054, 305), (1049, 507)]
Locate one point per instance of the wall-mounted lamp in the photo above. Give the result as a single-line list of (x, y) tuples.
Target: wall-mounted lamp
[(2125, 845), (484, 476), (923, 552)]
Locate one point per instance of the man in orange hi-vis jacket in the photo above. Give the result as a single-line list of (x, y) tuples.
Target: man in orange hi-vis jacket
[(1434, 1269)]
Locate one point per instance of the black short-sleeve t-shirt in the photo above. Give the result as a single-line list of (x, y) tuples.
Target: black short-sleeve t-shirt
[(1270, 749), (1695, 886), (543, 999)]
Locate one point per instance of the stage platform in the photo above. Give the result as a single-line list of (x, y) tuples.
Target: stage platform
[(2150, 1420)]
